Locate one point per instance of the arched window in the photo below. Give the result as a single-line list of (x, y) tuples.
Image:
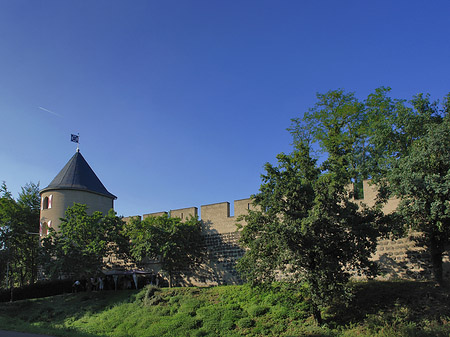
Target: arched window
[(45, 203)]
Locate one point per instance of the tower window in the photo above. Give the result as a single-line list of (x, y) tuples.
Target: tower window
[(45, 203)]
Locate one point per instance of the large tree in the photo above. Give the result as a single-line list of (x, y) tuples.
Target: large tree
[(19, 224), (176, 244), (421, 179), (389, 141), (80, 246), (307, 228), (336, 125), (408, 146), (368, 136)]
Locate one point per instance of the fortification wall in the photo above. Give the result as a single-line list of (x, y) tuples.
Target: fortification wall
[(401, 258)]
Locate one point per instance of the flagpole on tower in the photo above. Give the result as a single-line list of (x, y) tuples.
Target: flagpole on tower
[(76, 139)]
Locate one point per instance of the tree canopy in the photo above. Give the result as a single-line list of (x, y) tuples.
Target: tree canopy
[(308, 229), (422, 181), (308, 225), (176, 244), (19, 226), (80, 247)]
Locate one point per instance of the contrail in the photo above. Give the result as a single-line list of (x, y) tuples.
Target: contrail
[(53, 113)]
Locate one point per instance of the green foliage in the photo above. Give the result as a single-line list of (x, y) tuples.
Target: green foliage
[(175, 243), (19, 227), (336, 123), (308, 229), (368, 136), (378, 309), (78, 248), (422, 181), (151, 296), (245, 323), (257, 310), (406, 155)]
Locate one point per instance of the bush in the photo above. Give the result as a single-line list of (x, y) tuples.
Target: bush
[(257, 310), (37, 290), (150, 296), (245, 323)]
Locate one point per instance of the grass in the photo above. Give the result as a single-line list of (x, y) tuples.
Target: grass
[(380, 309)]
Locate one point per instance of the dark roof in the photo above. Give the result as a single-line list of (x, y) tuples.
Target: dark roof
[(78, 175)]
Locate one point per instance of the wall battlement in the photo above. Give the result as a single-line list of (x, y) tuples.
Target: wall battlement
[(401, 258), (216, 217)]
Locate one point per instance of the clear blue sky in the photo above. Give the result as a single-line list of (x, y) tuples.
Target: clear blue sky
[(180, 103)]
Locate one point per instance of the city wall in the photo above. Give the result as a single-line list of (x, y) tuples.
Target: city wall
[(402, 258)]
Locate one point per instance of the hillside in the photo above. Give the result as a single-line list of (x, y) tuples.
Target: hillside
[(377, 309)]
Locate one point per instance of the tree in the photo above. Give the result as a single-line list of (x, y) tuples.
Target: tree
[(177, 244), (19, 224), (80, 246), (367, 136), (421, 179), (29, 204), (307, 228), (337, 124), (393, 126), (409, 148), (389, 141)]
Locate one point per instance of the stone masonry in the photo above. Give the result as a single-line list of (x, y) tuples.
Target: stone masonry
[(402, 258)]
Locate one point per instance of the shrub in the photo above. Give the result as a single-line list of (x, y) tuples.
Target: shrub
[(150, 296), (257, 310), (38, 290), (279, 311), (245, 323)]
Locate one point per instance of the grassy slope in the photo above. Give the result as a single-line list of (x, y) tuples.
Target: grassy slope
[(378, 309)]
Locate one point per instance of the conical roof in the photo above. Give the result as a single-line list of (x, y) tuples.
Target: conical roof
[(78, 175)]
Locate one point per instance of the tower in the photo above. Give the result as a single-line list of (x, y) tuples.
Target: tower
[(75, 183)]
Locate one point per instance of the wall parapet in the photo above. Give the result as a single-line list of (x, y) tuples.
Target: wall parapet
[(216, 218), (400, 258)]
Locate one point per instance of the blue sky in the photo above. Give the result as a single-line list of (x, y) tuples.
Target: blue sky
[(180, 103)]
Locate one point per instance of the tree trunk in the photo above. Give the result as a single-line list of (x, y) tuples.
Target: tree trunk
[(33, 267), (88, 284), (11, 286), (317, 314), (436, 260)]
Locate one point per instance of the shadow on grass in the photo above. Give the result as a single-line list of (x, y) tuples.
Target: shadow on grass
[(419, 301), (49, 315)]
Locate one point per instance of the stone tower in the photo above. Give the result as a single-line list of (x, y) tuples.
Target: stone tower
[(75, 183)]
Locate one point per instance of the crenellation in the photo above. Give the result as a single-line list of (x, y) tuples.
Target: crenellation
[(215, 217), (400, 258), (242, 206), (127, 219), (184, 213), (155, 214)]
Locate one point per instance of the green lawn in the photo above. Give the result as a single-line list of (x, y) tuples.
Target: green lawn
[(377, 309)]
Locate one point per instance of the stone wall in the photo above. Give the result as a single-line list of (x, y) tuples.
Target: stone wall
[(223, 253), (401, 258), (406, 257)]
